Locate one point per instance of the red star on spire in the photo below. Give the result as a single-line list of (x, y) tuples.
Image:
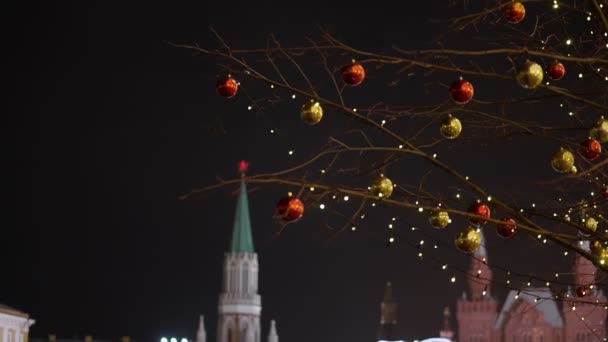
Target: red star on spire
[(243, 166)]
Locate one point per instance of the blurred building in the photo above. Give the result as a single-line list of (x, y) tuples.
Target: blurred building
[(388, 321), (527, 316), (87, 338), (240, 305), (14, 325)]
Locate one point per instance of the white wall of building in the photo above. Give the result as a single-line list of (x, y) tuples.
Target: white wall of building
[(14, 328)]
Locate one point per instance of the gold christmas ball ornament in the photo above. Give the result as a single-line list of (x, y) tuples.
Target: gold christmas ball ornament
[(599, 131), (382, 187), (600, 251), (591, 224), (468, 240), (596, 247), (573, 170), (530, 75), (440, 219), (311, 113), (603, 257), (563, 161), (450, 127)]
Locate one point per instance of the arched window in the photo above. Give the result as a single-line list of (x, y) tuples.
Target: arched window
[(245, 278), (233, 274)]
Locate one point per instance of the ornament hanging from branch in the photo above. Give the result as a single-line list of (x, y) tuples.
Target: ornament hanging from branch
[(468, 240), (481, 209), (311, 112), (599, 250), (562, 161), (581, 291), (382, 187), (591, 225), (353, 74), (450, 127), (590, 149), (290, 208), (462, 91), (515, 12), (530, 75), (439, 219), (507, 229), (556, 71), (227, 86), (599, 131)]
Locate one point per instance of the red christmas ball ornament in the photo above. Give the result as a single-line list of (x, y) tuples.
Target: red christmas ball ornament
[(462, 91), (604, 192), (581, 291), (590, 149), (515, 12), (506, 229), (481, 209), (556, 70), (290, 208), (353, 74), (227, 87)]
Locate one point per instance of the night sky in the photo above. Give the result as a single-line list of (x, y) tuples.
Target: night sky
[(111, 125)]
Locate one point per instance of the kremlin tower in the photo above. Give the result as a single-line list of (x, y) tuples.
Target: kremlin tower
[(240, 305), (388, 316), (476, 311)]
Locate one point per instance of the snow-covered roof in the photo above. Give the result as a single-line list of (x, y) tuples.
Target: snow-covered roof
[(548, 308)]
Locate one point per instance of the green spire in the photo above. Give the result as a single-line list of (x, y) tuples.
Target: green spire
[(241, 233)]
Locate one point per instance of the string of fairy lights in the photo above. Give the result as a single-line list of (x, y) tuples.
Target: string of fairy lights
[(426, 245)]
